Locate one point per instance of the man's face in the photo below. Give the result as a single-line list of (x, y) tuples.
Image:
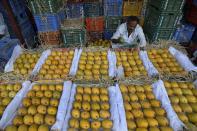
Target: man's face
[(131, 26)]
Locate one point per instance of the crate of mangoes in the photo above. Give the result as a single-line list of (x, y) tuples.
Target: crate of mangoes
[(11, 95), (22, 63), (183, 97), (166, 63), (131, 63), (100, 43), (43, 108), (91, 107), (95, 65), (142, 108), (57, 64)]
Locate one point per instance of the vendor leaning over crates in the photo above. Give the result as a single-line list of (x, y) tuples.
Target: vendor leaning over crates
[(130, 34)]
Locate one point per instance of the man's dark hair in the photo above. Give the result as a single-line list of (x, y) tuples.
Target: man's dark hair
[(133, 18)]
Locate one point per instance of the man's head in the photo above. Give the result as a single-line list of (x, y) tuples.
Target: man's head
[(132, 22)]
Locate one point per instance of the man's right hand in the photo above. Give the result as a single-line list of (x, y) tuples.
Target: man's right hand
[(116, 41), (120, 40)]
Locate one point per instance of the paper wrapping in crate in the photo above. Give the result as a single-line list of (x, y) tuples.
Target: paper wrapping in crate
[(113, 105), (17, 53), (62, 107), (110, 58), (45, 57), (14, 104), (160, 94)]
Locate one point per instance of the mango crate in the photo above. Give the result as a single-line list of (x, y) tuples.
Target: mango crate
[(113, 8), (132, 8), (93, 9), (44, 6), (49, 38), (74, 10), (73, 37), (157, 19), (168, 5), (95, 24), (154, 34), (93, 35), (47, 22), (111, 23)]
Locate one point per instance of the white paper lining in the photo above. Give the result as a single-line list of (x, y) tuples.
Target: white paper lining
[(113, 108), (40, 62), (61, 108), (61, 113), (120, 72), (112, 63), (183, 60), (75, 62), (152, 71), (16, 53), (14, 104), (161, 94), (121, 110), (68, 113)]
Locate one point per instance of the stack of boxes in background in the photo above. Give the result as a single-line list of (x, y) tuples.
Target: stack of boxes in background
[(79, 21), (113, 16), (162, 17), (72, 29), (25, 25), (48, 15), (94, 20)]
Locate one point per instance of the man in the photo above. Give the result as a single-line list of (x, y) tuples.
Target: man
[(129, 33)]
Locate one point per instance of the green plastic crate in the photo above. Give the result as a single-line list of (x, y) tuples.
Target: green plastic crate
[(112, 23), (73, 37), (163, 20), (168, 5), (45, 6), (156, 34)]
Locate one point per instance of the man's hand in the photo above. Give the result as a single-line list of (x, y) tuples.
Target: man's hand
[(115, 41)]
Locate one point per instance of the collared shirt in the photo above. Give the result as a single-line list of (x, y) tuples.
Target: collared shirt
[(136, 34)]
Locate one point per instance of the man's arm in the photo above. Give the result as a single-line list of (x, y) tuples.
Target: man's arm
[(116, 36), (142, 38)]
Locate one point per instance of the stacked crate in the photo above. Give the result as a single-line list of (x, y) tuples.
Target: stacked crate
[(19, 11), (113, 16), (48, 16), (72, 29), (162, 18), (132, 7), (94, 20)]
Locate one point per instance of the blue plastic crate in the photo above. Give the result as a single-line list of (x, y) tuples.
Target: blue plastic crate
[(93, 9), (47, 22), (113, 8), (61, 15), (74, 10), (108, 34), (184, 33), (111, 1)]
